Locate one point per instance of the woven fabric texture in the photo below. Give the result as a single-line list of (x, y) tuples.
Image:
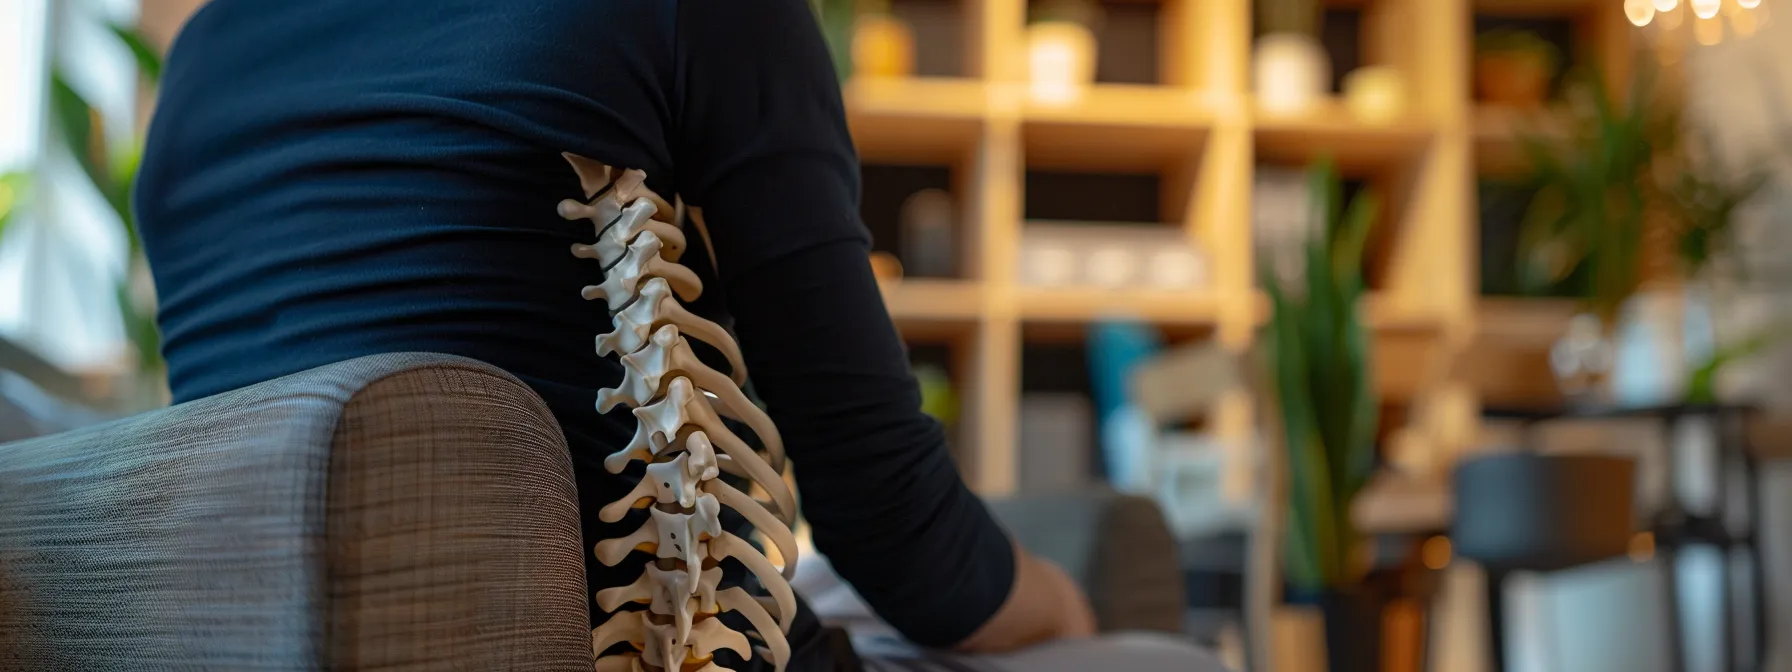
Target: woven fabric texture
[(393, 512)]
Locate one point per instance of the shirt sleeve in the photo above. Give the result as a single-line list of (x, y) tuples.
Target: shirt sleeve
[(763, 150)]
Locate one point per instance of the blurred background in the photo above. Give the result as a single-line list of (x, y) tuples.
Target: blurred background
[(1447, 334)]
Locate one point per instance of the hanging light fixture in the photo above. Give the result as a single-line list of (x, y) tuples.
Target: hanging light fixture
[(1671, 24)]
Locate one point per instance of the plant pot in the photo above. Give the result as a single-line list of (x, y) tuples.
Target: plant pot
[(1352, 630), (1512, 79), (883, 47), (1652, 348)]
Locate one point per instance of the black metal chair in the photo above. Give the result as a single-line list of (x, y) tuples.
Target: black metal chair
[(1524, 511)]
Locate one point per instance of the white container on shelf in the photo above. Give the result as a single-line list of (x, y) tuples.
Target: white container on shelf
[(1291, 74), (1060, 61), (1109, 256)]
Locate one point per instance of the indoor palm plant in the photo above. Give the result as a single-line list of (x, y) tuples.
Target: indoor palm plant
[(1322, 378), (1587, 222), (1703, 193)]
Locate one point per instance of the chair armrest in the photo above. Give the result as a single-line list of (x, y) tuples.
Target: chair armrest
[(1116, 546)]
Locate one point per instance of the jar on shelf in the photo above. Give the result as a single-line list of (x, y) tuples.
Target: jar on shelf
[(883, 46), (1291, 73), (1375, 94), (1061, 50), (928, 234)]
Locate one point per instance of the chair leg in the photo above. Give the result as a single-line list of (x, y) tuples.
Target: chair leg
[(1496, 619), (1670, 600)]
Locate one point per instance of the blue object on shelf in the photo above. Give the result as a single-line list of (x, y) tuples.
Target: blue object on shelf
[(1115, 348)]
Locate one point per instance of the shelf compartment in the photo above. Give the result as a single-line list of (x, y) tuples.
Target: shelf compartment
[(1058, 422), (947, 354), (923, 120), (943, 33), (1117, 127), (889, 209)]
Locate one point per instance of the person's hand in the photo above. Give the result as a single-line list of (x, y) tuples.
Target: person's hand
[(1045, 604), (1077, 617)]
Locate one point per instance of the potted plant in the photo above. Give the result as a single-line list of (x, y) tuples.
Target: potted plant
[(1587, 219), (1326, 399), (1514, 68), (1702, 193)]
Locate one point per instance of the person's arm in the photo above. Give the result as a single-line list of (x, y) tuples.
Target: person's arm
[(1044, 604), (763, 150)]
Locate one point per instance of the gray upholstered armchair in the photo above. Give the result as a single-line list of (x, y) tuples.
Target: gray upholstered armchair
[(390, 512), (394, 512)]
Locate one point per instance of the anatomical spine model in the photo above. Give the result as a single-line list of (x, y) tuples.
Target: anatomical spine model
[(668, 615)]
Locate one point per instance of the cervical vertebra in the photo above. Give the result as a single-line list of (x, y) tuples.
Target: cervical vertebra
[(668, 615)]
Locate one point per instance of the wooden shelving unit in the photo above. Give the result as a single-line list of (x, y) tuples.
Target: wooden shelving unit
[(1200, 131)]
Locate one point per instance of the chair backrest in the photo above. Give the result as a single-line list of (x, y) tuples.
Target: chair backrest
[(401, 511)]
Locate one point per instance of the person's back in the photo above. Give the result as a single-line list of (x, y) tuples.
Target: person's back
[(336, 178)]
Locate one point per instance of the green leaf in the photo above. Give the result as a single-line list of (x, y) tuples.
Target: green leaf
[(14, 188), (74, 119), (139, 327), (1347, 253), (149, 61), (1701, 385), (1325, 394)]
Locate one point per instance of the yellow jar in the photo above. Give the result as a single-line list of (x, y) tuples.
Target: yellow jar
[(882, 47)]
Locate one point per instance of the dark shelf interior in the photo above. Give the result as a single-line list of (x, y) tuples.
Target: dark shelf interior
[(1341, 32), (938, 27), (1094, 197), (885, 188)]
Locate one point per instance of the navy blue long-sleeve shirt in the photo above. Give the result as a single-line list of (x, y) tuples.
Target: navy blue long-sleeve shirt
[(335, 178)]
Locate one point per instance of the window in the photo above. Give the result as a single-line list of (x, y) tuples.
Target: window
[(64, 252)]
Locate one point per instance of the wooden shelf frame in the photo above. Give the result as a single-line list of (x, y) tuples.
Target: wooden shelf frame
[(1200, 131)]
